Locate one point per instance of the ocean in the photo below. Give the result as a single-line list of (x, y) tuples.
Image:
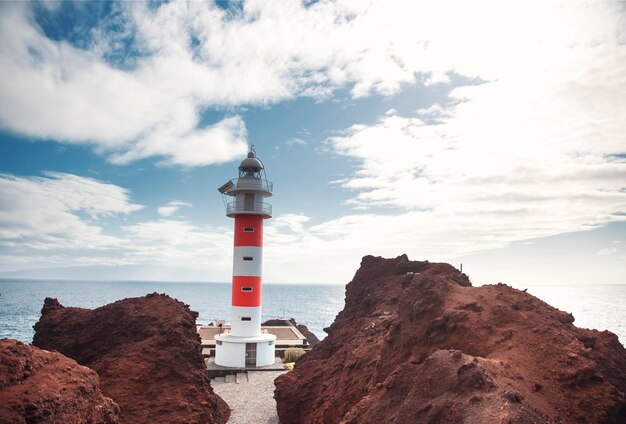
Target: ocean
[(601, 307), (21, 300), (598, 306)]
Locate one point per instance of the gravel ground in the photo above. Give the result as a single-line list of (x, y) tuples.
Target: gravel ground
[(251, 401)]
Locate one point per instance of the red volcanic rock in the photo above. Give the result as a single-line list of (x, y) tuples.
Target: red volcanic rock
[(37, 386), (147, 353), (417, 343)]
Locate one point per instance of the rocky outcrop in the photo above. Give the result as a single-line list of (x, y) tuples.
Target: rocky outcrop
[(417, 343), (147, 353), (37, 386), (311, 338)]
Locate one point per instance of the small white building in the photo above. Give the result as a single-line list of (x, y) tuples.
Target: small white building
[(287, 335)]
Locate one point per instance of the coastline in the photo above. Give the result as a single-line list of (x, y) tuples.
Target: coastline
[(590, 307)]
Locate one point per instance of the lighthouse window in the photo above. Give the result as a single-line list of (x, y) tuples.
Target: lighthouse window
[(271, 342), (248, 258), (218, 342), (246, 319), (246, 289), (248, 229)]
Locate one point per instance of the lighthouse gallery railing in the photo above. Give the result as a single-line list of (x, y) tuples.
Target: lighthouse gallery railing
[(257, 208), (249, 183)]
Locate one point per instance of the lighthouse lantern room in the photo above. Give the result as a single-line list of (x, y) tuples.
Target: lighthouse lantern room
[(246, 345)]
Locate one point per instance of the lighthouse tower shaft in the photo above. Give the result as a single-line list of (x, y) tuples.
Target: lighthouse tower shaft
[(247, 266), (246, 345)]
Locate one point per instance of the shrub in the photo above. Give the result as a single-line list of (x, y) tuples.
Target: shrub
[(289, 366), (292, 354)]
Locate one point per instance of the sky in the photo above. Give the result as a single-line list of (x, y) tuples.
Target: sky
[(488, 134)]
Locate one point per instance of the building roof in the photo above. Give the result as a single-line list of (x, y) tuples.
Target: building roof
[(284, 334)]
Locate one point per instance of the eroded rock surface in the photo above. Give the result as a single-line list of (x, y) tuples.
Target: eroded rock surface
[(417, 343), (147, 353), (37, 386)]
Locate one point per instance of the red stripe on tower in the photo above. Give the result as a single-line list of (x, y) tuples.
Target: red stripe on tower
[(249, 230), (246, 291)]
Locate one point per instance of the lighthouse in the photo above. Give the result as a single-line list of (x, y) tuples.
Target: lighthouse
[(246, 345)]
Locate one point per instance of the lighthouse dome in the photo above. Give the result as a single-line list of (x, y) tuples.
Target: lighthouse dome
[(251, 162)]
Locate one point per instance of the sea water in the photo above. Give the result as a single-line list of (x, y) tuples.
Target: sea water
[(600, 307), (21, 300), (596, 306)]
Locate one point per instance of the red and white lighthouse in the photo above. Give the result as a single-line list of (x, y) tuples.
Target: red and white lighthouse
[(246, 345)]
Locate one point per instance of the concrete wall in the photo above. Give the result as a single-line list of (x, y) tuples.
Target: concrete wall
[(240, 199), (231, 355), (247, 268), (265, 353), (245, 328)]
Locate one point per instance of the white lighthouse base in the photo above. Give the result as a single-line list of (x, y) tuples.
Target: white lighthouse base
[(244, 352)]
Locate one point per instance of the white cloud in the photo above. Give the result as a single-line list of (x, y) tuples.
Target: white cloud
[(295, 142), (194, 56), (217, 143), (56, 91), (607, 251), (528, 152), (452, 194), (294, 222), (180, 243), (78, 226), (172, 207), (59, 211), (64, 220)]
